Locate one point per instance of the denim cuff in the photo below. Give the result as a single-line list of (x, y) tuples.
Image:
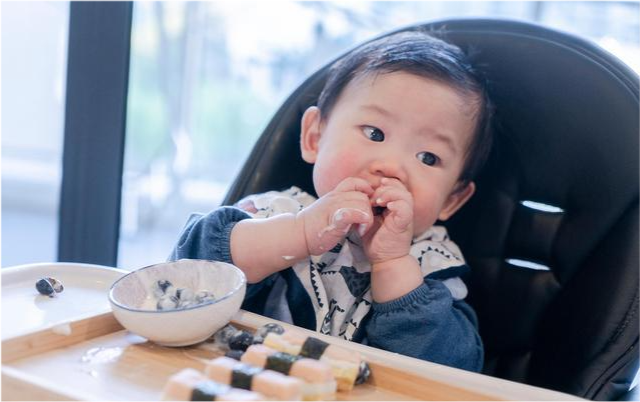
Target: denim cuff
[(421, 295)]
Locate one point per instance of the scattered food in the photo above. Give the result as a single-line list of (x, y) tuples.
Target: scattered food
[(241, 340), (363, 373), (49, 286), (234, 354), (191, 385), (222, 336), (271, 384), (346, 364), (319, 384), (322, 368), (269, 328)]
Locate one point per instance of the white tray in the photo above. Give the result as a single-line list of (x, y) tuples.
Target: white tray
[(24, 310)]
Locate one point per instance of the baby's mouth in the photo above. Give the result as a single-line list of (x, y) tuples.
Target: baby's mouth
[(378, 210)]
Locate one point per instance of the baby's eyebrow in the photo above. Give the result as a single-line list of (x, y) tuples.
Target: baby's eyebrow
[(445, 139), (378, 109)]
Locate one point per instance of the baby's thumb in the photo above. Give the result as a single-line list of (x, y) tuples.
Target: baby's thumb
[(341, 222), (343, 218)]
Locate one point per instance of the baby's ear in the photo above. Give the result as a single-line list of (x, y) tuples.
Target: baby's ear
[(310, 134), (456, 200)]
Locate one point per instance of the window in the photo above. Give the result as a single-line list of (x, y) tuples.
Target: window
[(207, 76), (34, 60), (205, 79)]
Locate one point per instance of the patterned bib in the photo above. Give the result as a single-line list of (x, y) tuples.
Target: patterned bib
[(338, 282)]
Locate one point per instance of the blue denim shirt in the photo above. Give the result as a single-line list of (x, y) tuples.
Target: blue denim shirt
[(426, 323)]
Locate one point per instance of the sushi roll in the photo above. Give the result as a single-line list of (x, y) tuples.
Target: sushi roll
[(267, 382), (319, 383), (191, 385), (344, 363)]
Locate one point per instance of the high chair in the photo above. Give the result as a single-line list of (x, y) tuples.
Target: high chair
[(551, 234)]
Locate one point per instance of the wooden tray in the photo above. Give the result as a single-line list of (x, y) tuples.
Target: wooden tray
[(96, 359), (100, 361)]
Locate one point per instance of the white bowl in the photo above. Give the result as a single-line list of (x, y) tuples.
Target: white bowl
[(133, 305)]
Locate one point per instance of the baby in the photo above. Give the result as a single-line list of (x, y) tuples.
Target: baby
[(400, 129)]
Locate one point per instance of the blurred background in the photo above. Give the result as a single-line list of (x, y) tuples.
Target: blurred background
[(204, 80)]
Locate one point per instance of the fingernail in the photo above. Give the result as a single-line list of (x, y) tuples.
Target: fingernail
[(362, 228)]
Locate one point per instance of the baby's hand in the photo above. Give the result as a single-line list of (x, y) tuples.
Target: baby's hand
[(328, 220), (391, 233)]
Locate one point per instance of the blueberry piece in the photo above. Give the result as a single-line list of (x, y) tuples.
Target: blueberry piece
[(167, 303), (224, 334), (185, 294), (185, 303), (163, 284), (44, 287), (258, 340), (171, 291), (160, 287), (234, 354), (204, 296), (268, 328), (241, 340), (57, 285)]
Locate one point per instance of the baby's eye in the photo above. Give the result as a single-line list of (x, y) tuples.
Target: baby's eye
[(428, 158), (374, 134)]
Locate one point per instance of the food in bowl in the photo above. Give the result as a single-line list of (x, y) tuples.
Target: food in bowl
[(134, 300), (169, 297)]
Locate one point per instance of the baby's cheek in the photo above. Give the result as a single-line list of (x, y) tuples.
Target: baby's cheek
[(330, 171), (425, 214)]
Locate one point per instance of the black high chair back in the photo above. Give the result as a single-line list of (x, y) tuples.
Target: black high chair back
[(551, 234)]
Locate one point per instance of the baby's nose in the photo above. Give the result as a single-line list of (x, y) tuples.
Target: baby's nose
[(391, 168)]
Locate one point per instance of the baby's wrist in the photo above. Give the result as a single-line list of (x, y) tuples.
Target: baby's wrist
[(394, 278), (392, 262), (388, 255), (300, 232)]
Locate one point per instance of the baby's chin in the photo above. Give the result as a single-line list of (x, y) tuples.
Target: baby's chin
[(419, 229)]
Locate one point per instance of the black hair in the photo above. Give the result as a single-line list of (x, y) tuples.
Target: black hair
[(417, 52)]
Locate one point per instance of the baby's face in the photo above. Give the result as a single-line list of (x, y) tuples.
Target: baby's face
[(402, 126)]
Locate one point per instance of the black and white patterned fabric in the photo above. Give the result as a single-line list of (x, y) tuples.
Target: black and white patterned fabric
[(338, 281)]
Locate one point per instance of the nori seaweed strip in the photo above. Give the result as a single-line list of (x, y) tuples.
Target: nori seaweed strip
[(364, 372), (280, 362), (313, 348), (208, 391), (242, 375)]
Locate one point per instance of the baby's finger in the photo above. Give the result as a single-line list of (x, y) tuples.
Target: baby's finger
[(392, 182), (354, 184), (341, 222), (345, 217), (351, 199), (400, 213), (384, 195)]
